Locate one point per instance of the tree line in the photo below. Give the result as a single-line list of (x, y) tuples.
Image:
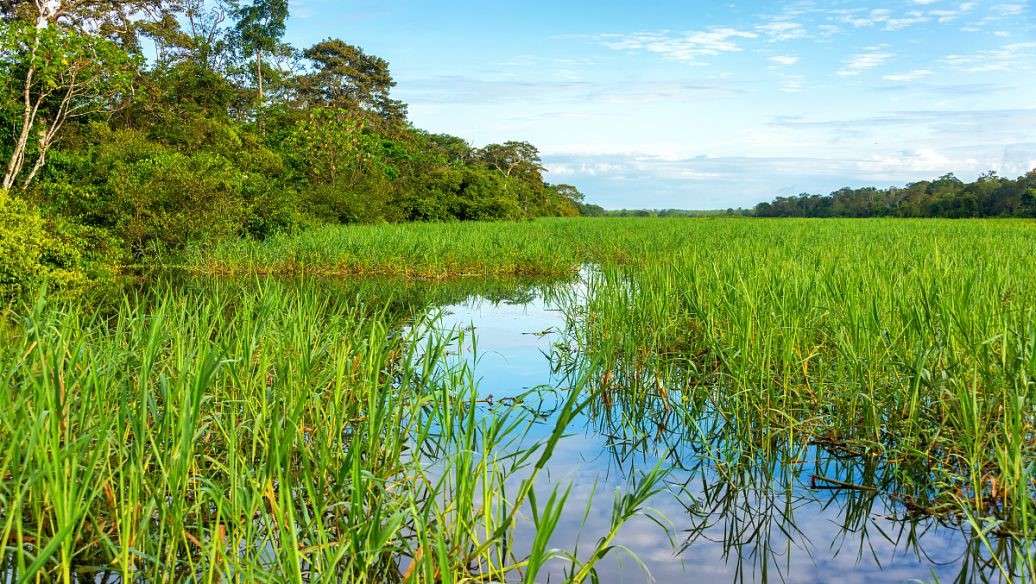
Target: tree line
[(133, 125), (947, 196), (596, 211)]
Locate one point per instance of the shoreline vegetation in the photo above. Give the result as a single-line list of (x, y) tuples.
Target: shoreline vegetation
[(545, 247), (147, 434)]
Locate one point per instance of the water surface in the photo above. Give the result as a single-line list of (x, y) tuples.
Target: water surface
[(767, 520), (724, 513)]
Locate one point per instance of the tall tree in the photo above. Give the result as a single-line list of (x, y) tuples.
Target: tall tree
[(513, 159), (345, 76), (49, 75), (117, 20), (260, 26)]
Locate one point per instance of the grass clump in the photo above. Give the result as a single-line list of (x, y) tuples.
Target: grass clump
[(266, 435), (913, 343)]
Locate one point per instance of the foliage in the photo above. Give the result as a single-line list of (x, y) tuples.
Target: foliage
[(947, 196), (22, 239), (34, 251), (51, 76), (151, 195), (260, 24), (345, 76)]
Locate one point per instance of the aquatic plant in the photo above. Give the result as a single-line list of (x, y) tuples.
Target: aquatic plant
[(256, 435)]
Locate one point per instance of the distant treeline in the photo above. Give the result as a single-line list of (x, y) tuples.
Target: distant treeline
[(596, 211), (947, 196)]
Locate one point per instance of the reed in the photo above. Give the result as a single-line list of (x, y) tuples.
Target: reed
[(912, 343), (269, 432), (256, 435)]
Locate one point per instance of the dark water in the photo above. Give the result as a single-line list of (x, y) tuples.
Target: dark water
[(760, 520)]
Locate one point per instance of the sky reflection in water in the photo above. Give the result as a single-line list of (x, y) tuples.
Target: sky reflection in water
[(762, 530)]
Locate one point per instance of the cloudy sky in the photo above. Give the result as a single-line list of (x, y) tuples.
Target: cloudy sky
[(708, 104)]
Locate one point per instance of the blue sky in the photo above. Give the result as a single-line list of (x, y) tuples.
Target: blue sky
[(713, 104)]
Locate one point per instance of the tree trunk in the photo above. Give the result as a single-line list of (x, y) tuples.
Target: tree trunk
[(259, 73), (259, 78), (48, 11), (14, 165), (45, 138)]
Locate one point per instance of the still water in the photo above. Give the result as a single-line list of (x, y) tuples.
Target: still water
[(774, 522), (720, 515)]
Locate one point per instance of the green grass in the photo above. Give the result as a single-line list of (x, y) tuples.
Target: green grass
[(216, 433), (256, 435), (912, 343), (431, 251), (545, 247)]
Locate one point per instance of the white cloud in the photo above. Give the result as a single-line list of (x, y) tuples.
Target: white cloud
[(922, 161), (861, 19), (892, 20), (688, 47), (782, 30), (1009, 57), (1008, 9), (827, 30), (944, 16), (784, 60), (908, 76), (585, 168), (854, 17), (792, 84), (871, 58), (910, 19)]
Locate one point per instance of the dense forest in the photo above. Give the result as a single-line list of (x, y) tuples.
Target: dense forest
[(135, 126), (947, 196)]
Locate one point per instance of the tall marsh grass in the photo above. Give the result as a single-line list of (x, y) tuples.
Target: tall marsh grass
[(257, 436), (909, 340), (912, 343), (278, 435)]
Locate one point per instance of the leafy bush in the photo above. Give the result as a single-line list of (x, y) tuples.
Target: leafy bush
[(154, 196), (34, 251), (21, 243)]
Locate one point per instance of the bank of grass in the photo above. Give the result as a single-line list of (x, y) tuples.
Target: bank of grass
[(550, 246), (544, 247), (425, 251)]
